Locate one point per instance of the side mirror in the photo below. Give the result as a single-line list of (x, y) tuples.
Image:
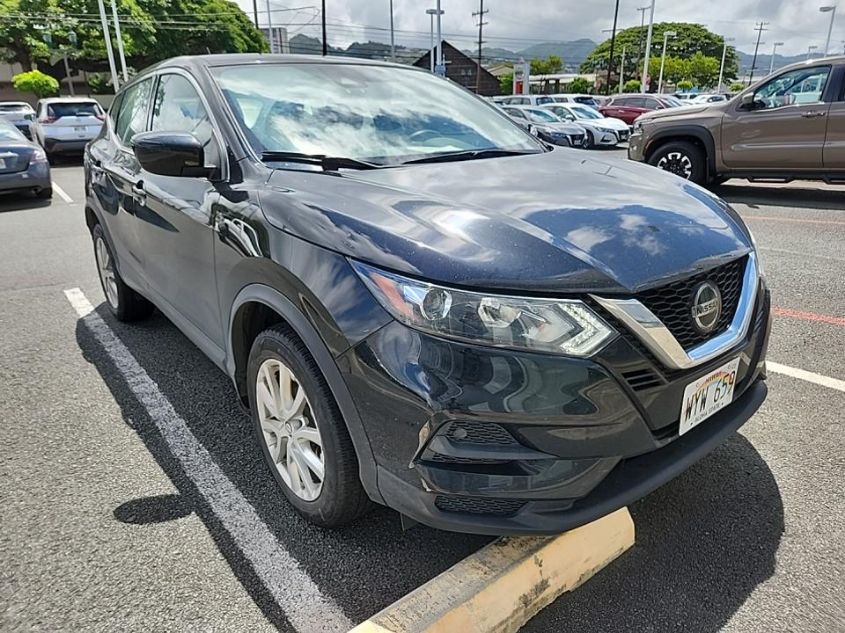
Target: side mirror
[(171, 154), (569, 117), (746, 101)]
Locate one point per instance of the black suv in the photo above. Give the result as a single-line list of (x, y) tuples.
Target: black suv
[(421, 304)]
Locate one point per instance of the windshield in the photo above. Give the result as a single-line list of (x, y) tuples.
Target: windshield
[(373, 113), (541, 116), (585, 112), (14, 107), (74, 108)]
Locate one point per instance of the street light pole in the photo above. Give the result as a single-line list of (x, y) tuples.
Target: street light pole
[(774, 50), (612, 45), (109, 52), (722, 65), (666, 36), (392, 42), (831, 8), (119, 41), (325, 41), (270, 29), (439, 40), (644, 79), (622, 68), (432, 52)]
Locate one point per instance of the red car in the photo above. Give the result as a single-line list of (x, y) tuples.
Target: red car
[(628, 107)]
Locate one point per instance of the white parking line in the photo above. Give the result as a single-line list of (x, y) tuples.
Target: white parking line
[(801, 374), (62, 193), (304, 605)]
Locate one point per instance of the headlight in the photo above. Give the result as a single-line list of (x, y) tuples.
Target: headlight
[(559, 326), (638, 126), (38, 156)]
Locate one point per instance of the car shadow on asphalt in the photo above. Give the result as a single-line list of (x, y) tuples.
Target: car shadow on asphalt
[(363, 567), (802, 197), (21, 202), (704, 542)]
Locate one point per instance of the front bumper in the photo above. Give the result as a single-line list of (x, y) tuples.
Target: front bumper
[(636, 147), (37, 176), (475, 439)]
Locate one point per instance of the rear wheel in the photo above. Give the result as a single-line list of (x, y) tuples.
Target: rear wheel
[(301, 431), (125, 304), (681, 158)]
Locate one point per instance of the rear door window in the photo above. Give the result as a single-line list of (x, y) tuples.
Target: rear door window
[(132, 116), (635, 102)]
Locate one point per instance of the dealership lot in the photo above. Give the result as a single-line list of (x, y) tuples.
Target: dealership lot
[(143, 504)]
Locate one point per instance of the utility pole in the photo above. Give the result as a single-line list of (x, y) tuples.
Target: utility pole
[(392, 41), (622, 70), (760, 27), (642, 11), (119, 41), (481, 24), (109, 52), (325, 42), (270, 29), (774, 50), (645, 77), (255, 12), (722, 65), (439, 68), (612, 44), (810, 50)]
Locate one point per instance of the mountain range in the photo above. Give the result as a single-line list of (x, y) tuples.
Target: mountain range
[(573, 53)]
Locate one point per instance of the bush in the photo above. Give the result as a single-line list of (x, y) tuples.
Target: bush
[(100, 84), (736, 86), (632, 85), (37, 83), (685, 84), (580, 85)]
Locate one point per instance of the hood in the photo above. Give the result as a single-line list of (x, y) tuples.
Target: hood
[(566, 127), (549, 222), (610, 123), (681, 111)]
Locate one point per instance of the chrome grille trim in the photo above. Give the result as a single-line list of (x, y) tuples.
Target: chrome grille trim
[(643, 323)]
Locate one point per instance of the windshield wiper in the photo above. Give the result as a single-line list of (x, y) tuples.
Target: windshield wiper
[(328, 163), (469, 155)]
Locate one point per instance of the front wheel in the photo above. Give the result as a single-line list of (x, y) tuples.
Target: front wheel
[(125, 304), (301, 431), (590, 141), (682, 159)]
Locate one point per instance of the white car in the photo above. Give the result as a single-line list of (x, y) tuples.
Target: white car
[(601, 130), (20, 114), (588, 100), (705, 99), (524, 100), (66, 124)]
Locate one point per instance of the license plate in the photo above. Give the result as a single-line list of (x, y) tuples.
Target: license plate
[(79, 128), (707, 395)]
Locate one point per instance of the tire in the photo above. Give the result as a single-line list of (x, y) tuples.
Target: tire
[(682, 159), (44, 194), (590, 143), (125, 304), (338, 498)]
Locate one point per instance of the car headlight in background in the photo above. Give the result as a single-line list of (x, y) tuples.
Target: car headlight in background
[(38, 156), (558, 326)]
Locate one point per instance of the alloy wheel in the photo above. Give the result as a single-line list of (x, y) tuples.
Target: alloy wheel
[(676, 163), (105, 266), (289, 429)]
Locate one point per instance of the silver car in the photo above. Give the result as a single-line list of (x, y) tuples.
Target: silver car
[(20, 114), (23, 164), (601, 130), (547, 126), (66, 124)]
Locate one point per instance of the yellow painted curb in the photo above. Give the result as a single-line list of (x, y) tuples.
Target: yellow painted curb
[(503, 585)]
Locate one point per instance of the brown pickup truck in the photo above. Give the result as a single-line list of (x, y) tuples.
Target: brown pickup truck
[(789, 125)]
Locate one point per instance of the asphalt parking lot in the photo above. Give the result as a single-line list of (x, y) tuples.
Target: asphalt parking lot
[(117, 515)]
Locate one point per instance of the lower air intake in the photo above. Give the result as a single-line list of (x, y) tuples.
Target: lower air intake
[(478, 505)]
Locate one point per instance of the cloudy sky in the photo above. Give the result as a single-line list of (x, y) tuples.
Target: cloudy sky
[(515, 24)]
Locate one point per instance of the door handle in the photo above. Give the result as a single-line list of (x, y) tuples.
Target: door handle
[(812, 114), (138, 193)]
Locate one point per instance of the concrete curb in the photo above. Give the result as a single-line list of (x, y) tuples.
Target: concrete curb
[(503, 585)]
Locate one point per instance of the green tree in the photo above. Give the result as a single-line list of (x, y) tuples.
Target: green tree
[(703, 70), (737, 86), (549, 66), (506, 83), (685, 84), (690, 38), (37, 83), (35, 31), (632, 85), (581, 85)]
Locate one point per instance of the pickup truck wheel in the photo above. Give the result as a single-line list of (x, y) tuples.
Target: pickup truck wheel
[(682, 159), (125, 304), (301, 431)]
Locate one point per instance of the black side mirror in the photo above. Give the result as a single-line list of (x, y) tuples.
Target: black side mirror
[(171, 154)]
